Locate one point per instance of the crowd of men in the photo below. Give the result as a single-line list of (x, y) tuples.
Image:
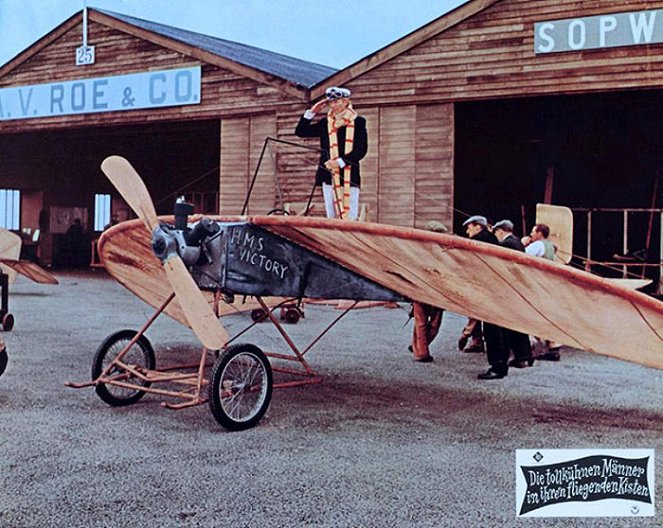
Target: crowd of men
[(504, 347)]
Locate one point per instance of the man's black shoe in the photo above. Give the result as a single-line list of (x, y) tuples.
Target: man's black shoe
[(521, 363), (490, 374), (551, 355), (474, 347), (425, 359)]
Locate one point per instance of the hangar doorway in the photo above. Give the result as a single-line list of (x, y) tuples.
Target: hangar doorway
[(598, 151), (58, 175)]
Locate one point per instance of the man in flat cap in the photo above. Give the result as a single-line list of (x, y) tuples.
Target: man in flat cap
[(517, 342), (343, 143), (476, 228), (503, 230)]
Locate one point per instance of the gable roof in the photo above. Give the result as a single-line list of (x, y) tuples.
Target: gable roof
[(402, 45), (286, 73), (297, 71)]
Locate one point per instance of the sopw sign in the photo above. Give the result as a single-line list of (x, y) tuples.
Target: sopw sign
[(596, 32)]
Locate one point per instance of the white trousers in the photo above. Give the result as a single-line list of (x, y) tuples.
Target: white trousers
[(328, 195)]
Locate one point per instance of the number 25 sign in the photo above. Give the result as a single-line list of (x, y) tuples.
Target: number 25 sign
[(84, 55)]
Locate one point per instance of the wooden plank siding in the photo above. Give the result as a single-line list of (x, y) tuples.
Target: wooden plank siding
[(434, 162), (397, 165), (234, 164), (491, 55)]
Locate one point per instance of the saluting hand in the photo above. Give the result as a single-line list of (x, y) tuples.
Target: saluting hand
[(320, 106)]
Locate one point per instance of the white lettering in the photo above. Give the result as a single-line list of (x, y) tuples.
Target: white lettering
[(606, 24), (642, 25), (577, 34), (543, 34)]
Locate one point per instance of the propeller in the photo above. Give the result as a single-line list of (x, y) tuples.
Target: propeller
[(198, 313)]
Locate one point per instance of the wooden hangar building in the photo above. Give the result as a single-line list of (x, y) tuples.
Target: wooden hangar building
[(489, 109)]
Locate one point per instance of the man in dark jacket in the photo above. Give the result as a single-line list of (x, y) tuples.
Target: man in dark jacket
[(497, 352), (518, 342), (343, 143)]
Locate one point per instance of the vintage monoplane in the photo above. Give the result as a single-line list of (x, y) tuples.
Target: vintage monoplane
[(193, 268), (10, 266)]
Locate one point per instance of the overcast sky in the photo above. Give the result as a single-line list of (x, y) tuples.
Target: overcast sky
[(335, 33)]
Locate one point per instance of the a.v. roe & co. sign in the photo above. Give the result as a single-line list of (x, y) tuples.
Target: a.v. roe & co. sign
[(132, 91)]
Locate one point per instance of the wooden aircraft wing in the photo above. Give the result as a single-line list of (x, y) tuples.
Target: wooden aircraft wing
[(10, 248), (30, 270), (490, 283)]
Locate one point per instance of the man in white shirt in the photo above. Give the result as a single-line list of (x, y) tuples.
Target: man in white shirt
[(537, 243)]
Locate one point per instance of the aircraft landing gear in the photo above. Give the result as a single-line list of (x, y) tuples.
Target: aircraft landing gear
[(7, 322), (141, 358), (240, 387), (4, 358), (6, 318)]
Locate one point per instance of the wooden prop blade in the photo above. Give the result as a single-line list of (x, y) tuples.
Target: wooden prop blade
[(201, 318), (130, 185), (198, 313), (30, 270)]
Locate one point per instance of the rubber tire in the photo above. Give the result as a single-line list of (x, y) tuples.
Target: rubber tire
[(7, 322), (278, 211), (98, 365), (4, 359), (258, 315), (215, 380), (292, 315)]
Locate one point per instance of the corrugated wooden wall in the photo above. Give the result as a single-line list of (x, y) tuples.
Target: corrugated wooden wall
[(407, 174), (491, 55), (434, 159), (242, 140)]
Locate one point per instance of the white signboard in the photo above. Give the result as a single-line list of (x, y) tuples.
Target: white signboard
[(152, 89), (597, 32)]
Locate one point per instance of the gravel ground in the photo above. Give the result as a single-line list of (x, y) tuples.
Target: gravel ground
[(381, 442)]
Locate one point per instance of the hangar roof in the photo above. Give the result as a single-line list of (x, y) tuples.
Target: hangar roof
[(300, 72), (287, 73)]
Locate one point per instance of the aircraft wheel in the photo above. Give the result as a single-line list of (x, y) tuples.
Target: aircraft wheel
[(141, 354), (258, 315), (278, 211), (7, 322), (4, 358), (292, 315), (240, 387)]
